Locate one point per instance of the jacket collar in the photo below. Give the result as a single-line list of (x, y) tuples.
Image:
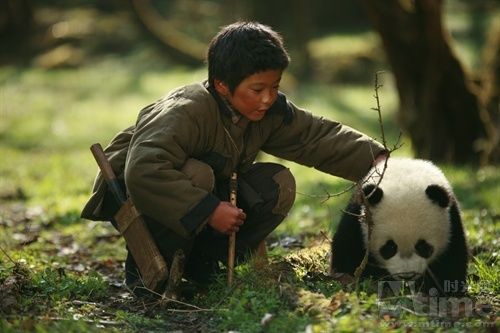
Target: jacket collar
[(223, 105)]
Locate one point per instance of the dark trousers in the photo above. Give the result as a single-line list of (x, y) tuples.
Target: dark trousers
[(265, 193)]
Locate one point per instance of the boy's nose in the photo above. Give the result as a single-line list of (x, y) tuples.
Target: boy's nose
[(267, 98)]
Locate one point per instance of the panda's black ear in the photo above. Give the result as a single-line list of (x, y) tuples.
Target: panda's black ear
[(438, 195), (376, 196)]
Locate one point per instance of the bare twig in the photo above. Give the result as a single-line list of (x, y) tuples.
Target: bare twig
[(376, 173), (396, 146), (163, 299), (7, 255), (192, 311), (325, 236), (377, 86), (328, 195), (367, 218), (99, 322)]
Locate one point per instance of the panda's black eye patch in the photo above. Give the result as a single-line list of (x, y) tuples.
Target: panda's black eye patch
[(424, 249), (389, 249), (376, 196)]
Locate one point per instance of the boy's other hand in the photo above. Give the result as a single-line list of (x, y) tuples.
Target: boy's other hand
[(227, 218)]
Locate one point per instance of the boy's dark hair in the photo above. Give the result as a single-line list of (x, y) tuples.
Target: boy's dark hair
[(242, 49)]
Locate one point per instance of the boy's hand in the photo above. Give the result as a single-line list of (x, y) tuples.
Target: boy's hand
[(226, 218), (380, 158)]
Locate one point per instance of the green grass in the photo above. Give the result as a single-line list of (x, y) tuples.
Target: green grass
[(68, 271)]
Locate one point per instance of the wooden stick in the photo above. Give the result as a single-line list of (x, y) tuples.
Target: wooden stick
[(175, 276), (108, 173), (233, 186), (140, 242)]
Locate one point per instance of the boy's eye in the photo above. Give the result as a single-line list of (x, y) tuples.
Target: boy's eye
[(259, 90)]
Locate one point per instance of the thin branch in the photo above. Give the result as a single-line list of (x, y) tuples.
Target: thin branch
[(328, 195), (361, 197), (7, 255), (194, 310), (164, 300), (396, 146), (325, 236), (377, 86), (100, 322)]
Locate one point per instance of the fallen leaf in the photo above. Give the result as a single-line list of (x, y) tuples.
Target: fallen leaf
[(337, 300)]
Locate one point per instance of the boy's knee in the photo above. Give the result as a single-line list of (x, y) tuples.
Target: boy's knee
[(286, 191), (201, 174)]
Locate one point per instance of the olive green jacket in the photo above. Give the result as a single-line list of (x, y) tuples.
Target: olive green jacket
[(193, 122)]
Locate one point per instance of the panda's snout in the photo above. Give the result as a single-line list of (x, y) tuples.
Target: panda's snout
[(406, 268)]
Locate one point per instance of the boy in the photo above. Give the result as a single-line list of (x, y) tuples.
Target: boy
[(176, 161)]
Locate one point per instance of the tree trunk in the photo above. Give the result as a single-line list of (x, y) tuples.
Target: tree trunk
[(16, 17), (438, 109), (490, 96)]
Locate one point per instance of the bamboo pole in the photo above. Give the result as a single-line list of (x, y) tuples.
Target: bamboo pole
[(233, 186)]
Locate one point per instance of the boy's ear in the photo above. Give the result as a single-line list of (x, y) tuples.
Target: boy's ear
[(221, 87)]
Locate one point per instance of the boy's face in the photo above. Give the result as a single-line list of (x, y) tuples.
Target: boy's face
[(254, 95)]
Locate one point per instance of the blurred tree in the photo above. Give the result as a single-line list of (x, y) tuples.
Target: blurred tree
[(438, 105), (16, 17), (16, 23), (296, 27), (181, 46), (489, 96)]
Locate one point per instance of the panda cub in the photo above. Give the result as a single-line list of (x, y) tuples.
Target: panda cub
[(417, 229)]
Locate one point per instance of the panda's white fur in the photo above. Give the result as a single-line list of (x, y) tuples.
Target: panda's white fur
[(406, 215), (417, 229)]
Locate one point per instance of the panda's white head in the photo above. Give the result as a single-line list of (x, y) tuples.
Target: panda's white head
[(410, 215)]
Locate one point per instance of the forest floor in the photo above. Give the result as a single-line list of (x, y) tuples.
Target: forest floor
[(61, 273)]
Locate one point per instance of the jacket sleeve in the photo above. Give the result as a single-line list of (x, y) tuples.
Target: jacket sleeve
[(159, 148), (98, 208), (326, 145)]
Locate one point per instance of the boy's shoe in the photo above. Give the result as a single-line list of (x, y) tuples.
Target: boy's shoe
[(203, 273)]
